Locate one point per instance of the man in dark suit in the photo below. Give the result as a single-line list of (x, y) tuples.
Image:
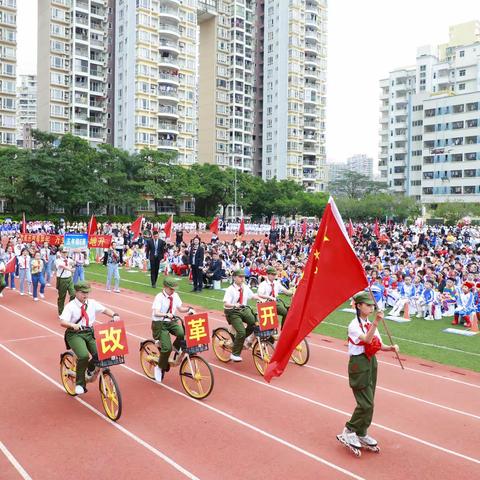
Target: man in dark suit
[(195, 260), (154, 251)]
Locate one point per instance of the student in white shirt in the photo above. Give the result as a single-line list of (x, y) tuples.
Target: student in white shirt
[(165, 306), (235, 301), (78, 317), (270, 288), (363, 342)]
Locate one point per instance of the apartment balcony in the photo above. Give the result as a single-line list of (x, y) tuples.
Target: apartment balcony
[(167, 144), (97, 26), (167, 111), (167, 127), (168, 46), (168, 94), (96, 105), (167, 29), (169, 13), (82, 5), (168, 61)]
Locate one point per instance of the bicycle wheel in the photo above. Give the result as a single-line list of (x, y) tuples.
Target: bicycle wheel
[(110, 393), (301, 353), (222, 343), (149, 357), (262, 356), (196, 376), (68, 372)]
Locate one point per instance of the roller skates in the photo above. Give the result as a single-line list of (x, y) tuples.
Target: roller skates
[(351, 441), (369, 443)]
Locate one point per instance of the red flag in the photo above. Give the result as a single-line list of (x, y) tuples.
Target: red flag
[(304, 227), (10, 266), (273, 224), (168, 227), (332, 274), (136, 226), (214, 226), (24, 224), (350, 228), (376, 229), (92, 226), (241, 229)]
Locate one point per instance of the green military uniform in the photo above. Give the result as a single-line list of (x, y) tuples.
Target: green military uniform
[(362, 376), (64, 284), (81, 342), (162, 329), (237, 317)]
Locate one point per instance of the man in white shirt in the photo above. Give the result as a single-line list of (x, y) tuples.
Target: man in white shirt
[(165, 306), (78, 318), (270, 288), (65, 268), (235, 302)]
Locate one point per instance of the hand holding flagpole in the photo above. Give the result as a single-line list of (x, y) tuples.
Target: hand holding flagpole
[(386, 329)]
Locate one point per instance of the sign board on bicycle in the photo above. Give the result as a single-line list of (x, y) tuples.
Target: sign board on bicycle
[(196, 330), (75, 240), (267, 316), (111, 339)]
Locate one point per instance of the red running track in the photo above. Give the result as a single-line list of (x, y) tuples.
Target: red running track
[(426, 418)]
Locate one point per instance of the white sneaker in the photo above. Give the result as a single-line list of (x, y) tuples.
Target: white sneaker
[(235, 358), (117, 290), (79, 390), (35, 299), (249, 341), (22, 294), (419, 315), (49, 285), (158, 374), (351, 438), (108, 290), (429, 317), (368, 440), (42, 295), (1, 295)]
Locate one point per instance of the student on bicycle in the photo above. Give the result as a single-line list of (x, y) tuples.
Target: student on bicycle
[(270, 288), (78, 318), (165, 306), (234, 301)]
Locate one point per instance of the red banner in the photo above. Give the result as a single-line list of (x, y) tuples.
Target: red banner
[(111, 339), (196, 329), (267, 315), (99, 241), (40, 238)]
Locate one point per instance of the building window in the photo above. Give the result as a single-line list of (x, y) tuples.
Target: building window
[(456, 190), (461, 86), (461, 53), (470, 189)]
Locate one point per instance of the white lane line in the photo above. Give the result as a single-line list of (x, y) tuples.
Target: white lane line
[(126, 432), (14, 462), (405, 395), (196, 402), (383, 362), (347, 414), (13, 340)]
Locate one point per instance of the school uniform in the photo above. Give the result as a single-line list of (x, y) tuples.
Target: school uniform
[(24, 272), (79, 261), (362, 376), (273, 289), (237, 317), (113, 260), (83, 341), (64, 282), (162, 326), (37, 277)]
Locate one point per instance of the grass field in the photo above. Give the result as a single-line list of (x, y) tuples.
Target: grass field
[(418, 338)]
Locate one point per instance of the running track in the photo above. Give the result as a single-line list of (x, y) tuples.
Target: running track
[(427, 418)]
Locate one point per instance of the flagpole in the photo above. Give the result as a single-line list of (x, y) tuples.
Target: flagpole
[(386, 328)]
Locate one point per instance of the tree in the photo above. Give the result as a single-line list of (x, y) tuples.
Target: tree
[(355, 185)]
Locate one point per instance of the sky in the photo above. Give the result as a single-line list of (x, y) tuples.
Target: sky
[(366, 40)]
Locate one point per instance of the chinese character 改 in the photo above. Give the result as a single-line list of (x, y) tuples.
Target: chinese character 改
[(110, 340)]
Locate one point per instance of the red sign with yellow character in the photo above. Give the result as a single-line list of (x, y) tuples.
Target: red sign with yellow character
[(111, 339), (196, 330), (267, 315), (99, 241)]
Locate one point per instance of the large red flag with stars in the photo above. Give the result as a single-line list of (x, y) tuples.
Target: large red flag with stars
[(332, 274)]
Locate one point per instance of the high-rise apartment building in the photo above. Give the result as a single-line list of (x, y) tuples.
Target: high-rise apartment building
[(156, 76), (26, 109), (226, 91), (294, 91), (430, 122), (8, 71), (75, 42), (361, 164)]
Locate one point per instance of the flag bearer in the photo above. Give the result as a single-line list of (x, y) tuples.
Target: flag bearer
[(363, 343)]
